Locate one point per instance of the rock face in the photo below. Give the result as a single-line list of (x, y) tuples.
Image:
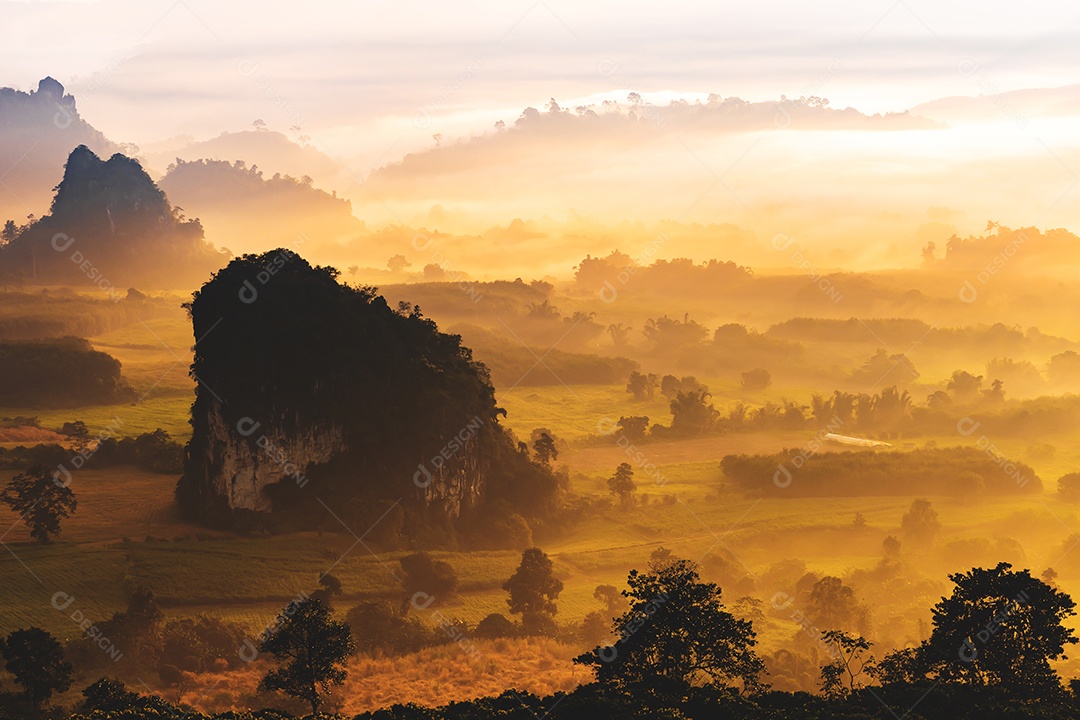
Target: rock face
[(240, 462), (314, 394)]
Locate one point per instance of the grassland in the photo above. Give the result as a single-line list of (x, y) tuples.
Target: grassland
[(126, 534)]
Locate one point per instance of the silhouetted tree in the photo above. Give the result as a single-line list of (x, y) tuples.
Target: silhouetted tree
[(533, 590), (9, 233), (901, 667), (109, 696), (41, 499), (314, 646), (544, 448), (675, 633), (36, 660), (1000, 627), (850, 661), (329, 587)]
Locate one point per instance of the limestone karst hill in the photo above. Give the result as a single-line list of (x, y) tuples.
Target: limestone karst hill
[(109, 226), (313, 394)]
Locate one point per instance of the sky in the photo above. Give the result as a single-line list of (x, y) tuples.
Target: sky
[(370, 81)]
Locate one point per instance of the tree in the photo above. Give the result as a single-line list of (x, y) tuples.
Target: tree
[(1000, 628), (36, 660), (176, 678), (996, 393), (901, 667), (329, 587), (1069, 487), (622, 484), (533, 590), (692, 413), (675, 633), (109, 696), (620, 335), (634, 427), (756, 379), (433, 272), (544, 447), (920, 524), (495, 625), (136, 628), (315, 646), (964, 386), (642, 387), (595, 628), (377, 626), (9, 233), (833, 604), (398, 263), (850, 660), (890, 547), (42, 501)]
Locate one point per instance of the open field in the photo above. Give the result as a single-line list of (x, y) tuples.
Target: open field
[(127, 534)]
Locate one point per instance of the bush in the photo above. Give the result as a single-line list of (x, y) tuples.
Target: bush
[(377, 627), (756, 379), (930, 471), (495, 625), (423, 574), (60, 373)]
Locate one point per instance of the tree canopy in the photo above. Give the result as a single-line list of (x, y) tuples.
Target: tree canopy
[(676, 634), (42, 501), (312, 646)]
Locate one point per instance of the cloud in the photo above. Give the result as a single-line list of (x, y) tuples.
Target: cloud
[(370, 66)]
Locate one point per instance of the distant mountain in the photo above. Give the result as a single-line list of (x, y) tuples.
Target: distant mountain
[(38, 130), (110, 226), (1020, 106), (245, 211), (267, 149), (608, 160)]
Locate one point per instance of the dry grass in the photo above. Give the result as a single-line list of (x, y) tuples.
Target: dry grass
[(433, 677)]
